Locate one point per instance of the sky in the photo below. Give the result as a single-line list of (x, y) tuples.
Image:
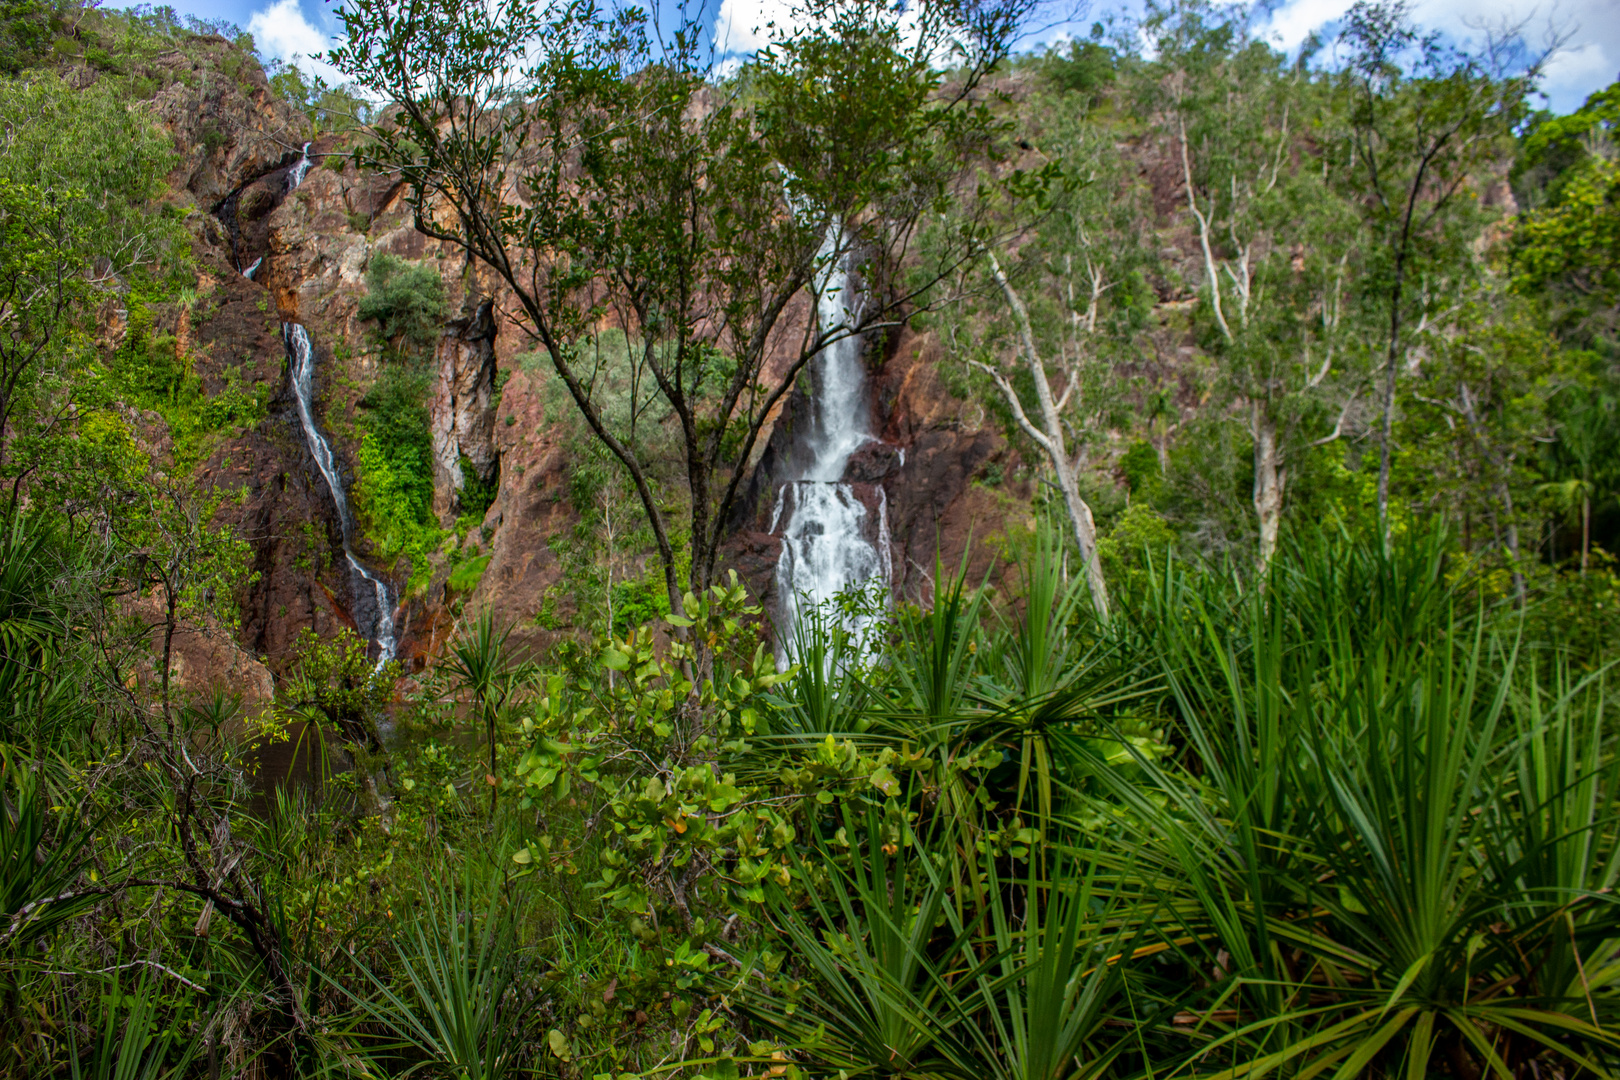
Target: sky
[(1588, 61)]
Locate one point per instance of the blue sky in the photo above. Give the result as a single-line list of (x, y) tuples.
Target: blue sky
[(1589, 60)]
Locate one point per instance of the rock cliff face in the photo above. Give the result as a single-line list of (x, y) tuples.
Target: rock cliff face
[(307, 250), (463, 409)]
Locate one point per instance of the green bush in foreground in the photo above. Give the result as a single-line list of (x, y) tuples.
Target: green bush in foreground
[(1357, 823)]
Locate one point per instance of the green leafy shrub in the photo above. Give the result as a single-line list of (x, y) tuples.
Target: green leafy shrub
[(335, 684), (465, 577), (639, 602), (1139, 534), (27, 30), (1087, 68), (394, 492), (1140, 466), (405, 300), (477, 496), (149, 373)]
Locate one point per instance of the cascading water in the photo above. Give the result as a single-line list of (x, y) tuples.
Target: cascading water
[(366, 588), (300, 167), (828, 543), (301, 372)]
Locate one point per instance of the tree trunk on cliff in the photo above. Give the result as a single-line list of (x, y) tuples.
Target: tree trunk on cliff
[(1049, 437), (1586, 530), (1270, 479)]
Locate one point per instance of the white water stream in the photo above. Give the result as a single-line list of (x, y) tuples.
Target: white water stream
[(295, 176), (829, 545), (301, 371), (300, 167)]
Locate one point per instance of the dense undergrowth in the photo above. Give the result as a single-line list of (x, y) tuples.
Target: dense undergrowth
[(1358, 822)]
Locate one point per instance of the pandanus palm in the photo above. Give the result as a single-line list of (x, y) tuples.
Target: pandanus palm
[(882, 944), (1391, 847), (904, 986), (447, 1004), (480, 664)]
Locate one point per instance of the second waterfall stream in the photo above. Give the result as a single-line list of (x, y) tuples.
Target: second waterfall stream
[(831, 543), (301, 373), (367, 590)]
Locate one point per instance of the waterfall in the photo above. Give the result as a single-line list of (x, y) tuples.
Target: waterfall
[(830, 544), (300, 167), (301, 372), (295, 177)]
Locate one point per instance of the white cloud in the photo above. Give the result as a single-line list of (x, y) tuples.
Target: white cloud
[(744, 26), (282, 31), (1575, 72), (1587, 62), (1291, 25), (1581, 62)]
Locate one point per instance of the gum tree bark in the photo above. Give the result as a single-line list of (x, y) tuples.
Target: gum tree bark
[(1049, 437)]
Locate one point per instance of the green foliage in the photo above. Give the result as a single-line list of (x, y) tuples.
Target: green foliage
[(477, 495), (1552, 148), (481, 665), (467, 574), (1086, 68), (91, 141), (457, 968), (35, 703), (36, 879), (335, 686), (1379, 776), (1010, 842), (127, 1040), (27, 29), (331, 110), (1143, 471), (148, 372), (406, 301), (394, 491), (638, 602), (1565, 247), (1139, 538)]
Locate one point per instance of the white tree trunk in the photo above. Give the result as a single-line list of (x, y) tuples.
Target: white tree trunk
[(1269, 480), (1050, 439)]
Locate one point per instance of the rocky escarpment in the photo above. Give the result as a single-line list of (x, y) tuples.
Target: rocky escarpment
[(493, 418), (463, 409)]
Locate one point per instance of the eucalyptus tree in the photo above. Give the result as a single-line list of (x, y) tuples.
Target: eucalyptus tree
[(610, 176), (1425, 123), (1280, 247), (1065, 296)]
